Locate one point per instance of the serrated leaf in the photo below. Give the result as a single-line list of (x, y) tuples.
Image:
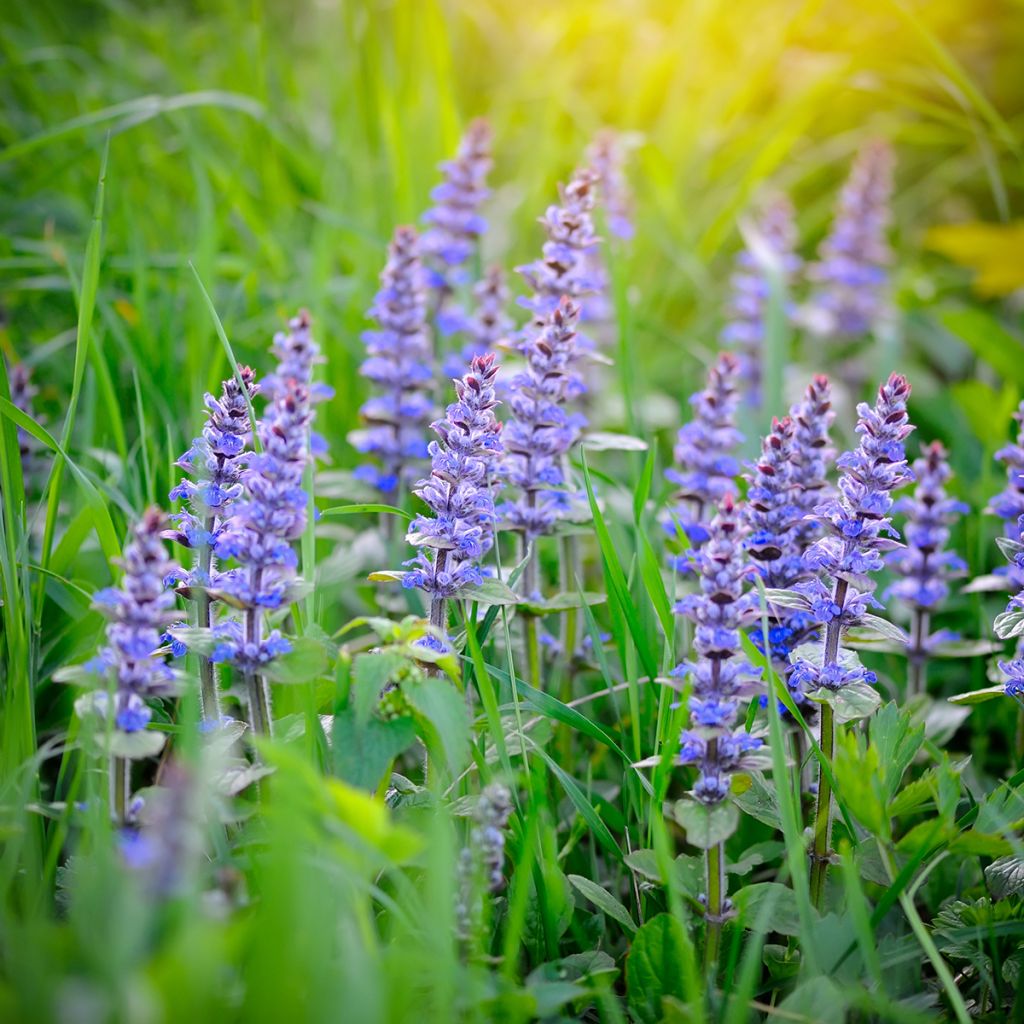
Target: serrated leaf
[(371, 672), (603, 900), (978, 696), (363, 753), (706, 826), (604, 441), (305, 662), (1005, 876), (849, 703), (442, 709)]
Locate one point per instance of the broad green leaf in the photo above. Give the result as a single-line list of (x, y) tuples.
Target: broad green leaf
[(777, 904), (604, 900), (442, 710), (371, 672), (1005, 876), (305, 662), (883, 628), (849, 703), (653, 968), (688, 872), (978, 696), (364, 752), (562, 602), (491, 592), (602, 441), (134, 746), (706, 826)]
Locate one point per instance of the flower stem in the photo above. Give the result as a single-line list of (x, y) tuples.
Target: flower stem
[(209, 698), (716, 897), (119, 789), (917, 675), (255, 685), (823, 811)]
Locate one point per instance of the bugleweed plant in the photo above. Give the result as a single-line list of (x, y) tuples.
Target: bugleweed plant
[(447, 663)]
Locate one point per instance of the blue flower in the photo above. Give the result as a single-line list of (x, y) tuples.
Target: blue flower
[(850, 275), (398, 364), (540, 432), (705, 455), (460, 489), (769, 251), (487, 326), (720, 677), (1009, 503)]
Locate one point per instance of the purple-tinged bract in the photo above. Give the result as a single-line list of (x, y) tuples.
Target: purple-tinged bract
[(769, 253), (138, 611), (399, 367), (540, 431), (459, 490), (707, 466), (721, 677), (850, 275)]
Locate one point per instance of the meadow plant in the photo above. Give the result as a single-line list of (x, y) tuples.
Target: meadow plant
[(488, 325), (455, 224), (767, 257), (721, 678), (850, 275), (925, 566), (706, 463), (1008, 505), (216, 461), (23, 391), (459, 493), (399, 365), (606, 157), (482, 859), (133, 665), (858, 531)]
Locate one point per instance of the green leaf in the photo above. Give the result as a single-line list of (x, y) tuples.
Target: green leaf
[(371, 672), (978, 696), (965, 649), (1009, 624), (706, 826), (491, 592), (562, 602), (760, 802), (367, 508), (602, 441), (604, 900), (786, 599), (386, 576), (364, 752), (688, 872), (134, 746), (770, 906), (1005, 876), (443, 712), (849, 703), (653, 967), (883, 628), (305, 662)]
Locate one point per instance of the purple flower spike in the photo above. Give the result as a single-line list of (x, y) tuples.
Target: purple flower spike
[(768, 252), (489, 323), (565, 268), (705, 453), (606, 157), (770, 512), (721, 678), (924, 565), (858, 524), (1009, 503), (540, 431), (138, 611), (813, 456), (399, 365), (23, 391), (454, 223), (459, 490), (850, 275)]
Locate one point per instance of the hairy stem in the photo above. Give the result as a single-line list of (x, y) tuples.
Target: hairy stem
[(255, 685), (823, 811), (716, 896), (209, 697), (120, 785), (917, 675)]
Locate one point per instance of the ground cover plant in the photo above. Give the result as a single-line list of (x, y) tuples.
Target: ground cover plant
[(511, 512)]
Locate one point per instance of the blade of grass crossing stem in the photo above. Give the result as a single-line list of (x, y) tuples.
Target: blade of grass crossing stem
[(83, 338), (616, 579), (488, 697), (860, 918), (792, 827), (222, 334), (642, 491)]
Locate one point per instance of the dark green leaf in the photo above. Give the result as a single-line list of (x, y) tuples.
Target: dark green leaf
[(363, 752)]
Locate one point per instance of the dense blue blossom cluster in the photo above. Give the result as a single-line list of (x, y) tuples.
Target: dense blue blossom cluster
[(769, 253), (454, 222), (488, 325), (564, 269), (138, 611), (460, 489), (924, 566), (705, 454), (858, 528), (813, 455), (721, 678), (850, 275), (1008, 504), (216, 461), (541, 431), (606, 157), (399, 366)]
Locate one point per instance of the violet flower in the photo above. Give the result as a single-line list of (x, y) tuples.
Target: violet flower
[(489, 324), (606, 157), (459, 493), (813, 456), (850, 275), (769, 252), (859, 531), (540, 432), (454, 221), (925, 566), (23, 391), (399, 365), (705, 454), (484, 855), (1009, 503)]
